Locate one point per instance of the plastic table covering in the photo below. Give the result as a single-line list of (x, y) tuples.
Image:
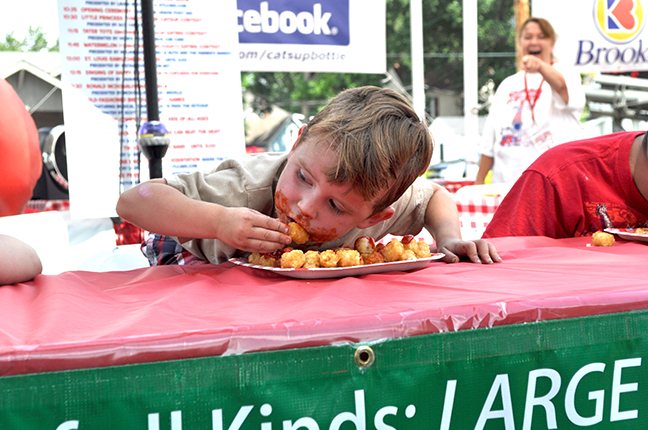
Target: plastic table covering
[(86, 319)]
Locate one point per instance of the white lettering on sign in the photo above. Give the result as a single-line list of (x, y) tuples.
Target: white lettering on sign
[(270, 21)]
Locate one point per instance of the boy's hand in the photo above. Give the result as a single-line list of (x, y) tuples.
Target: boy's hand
[(249, 230), (478, 251)]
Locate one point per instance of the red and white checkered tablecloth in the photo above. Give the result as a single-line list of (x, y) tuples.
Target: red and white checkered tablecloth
[(476, 213), (477, 205)]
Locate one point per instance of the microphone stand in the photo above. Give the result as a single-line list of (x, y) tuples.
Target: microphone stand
[(153, 137)]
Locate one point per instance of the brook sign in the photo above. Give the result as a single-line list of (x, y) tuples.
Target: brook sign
[(608, 35)]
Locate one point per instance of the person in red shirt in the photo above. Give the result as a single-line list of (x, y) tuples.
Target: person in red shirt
[(579, 188)]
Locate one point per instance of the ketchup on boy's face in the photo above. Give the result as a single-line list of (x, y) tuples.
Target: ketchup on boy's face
[(325, 210)]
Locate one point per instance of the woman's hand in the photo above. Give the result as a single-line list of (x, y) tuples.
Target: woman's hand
[(532, 64)]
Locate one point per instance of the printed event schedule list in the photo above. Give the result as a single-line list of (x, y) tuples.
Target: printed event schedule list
[(197, 69)]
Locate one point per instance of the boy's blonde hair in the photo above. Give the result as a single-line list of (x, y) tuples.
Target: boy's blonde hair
[(381, 143)]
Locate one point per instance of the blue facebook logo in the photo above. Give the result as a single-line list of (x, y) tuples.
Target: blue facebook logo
[(302, 22)]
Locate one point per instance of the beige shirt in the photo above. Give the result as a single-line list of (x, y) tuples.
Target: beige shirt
[(251, 182)]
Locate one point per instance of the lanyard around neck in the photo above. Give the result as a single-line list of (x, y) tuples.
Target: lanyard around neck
[(532, 103)]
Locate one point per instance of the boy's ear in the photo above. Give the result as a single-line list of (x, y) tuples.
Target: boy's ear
[(299, 133), (383, 215)]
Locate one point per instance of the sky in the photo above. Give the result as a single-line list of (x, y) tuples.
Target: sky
[(18, 15)]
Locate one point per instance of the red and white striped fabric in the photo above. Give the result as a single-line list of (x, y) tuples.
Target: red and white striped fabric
[(47, 205)]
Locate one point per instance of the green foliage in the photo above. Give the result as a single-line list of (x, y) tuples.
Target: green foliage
[(306, 93), (443, 41), (443, 57), (35, 41)]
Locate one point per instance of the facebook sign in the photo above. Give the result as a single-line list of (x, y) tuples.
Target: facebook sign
[(304, 22)]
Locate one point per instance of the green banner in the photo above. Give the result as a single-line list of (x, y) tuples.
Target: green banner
[(567, 374)]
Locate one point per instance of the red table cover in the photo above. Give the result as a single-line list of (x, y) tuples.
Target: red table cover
[(87, 319)]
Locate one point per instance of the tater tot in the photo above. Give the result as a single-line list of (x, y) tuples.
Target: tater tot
[(409, 242), (641, 230), (267, 260), (408, 254), (601, 238), (293, 259), (312, 259), (422, 249), (348, 257), (392, 251), (297, 233), (254, 258), (328, 258), (365, 245), (373, 258)]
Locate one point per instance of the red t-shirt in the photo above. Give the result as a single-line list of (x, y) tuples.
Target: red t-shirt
[(574, 189)]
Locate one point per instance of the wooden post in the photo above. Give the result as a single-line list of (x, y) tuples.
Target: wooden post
[(521, 15)]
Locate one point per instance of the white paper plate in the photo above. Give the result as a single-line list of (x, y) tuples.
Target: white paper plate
[(628, 234), (339, 272)]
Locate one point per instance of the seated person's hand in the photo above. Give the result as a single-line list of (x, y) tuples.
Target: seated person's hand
[(19, 262), (478, 251)]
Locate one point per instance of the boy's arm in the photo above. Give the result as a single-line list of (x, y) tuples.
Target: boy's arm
[(158, 207), (442, 221)]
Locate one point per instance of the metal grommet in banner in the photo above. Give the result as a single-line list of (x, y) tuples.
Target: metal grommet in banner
[(364, 356)]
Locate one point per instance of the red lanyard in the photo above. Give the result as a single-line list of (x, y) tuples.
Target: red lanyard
[(528, 96)]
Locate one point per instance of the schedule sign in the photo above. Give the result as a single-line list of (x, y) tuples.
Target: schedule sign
[(199, 92)]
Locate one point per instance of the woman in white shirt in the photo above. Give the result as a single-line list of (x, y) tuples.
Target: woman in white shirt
[(535, 109)]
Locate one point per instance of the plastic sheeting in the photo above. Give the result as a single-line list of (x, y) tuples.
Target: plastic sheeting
[(85, 319)]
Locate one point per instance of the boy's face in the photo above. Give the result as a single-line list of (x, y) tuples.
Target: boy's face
[(325, 210)]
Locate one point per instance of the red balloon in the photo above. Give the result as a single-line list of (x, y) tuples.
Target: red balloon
[(21, 162)]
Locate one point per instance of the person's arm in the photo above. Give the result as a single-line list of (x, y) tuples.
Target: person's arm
[(442, 221), (551, 75), (19, 262), (157, 207), (485, 164)]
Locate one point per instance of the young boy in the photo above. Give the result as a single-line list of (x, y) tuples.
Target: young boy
[(351, 173)]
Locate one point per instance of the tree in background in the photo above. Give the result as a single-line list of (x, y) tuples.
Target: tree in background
[(443, 57), (306, 93), (35, 41)]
